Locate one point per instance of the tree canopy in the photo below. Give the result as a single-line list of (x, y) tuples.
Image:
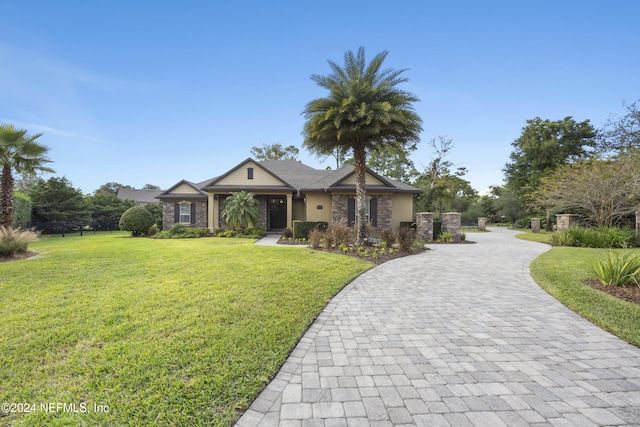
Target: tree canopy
[(274, 152), (604, 190), (542, 147), (621, 133), (363, 111)]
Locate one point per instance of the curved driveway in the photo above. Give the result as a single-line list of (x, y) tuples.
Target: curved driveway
[(458, 336)]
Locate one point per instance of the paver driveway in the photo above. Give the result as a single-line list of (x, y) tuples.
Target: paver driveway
[(460, 335)]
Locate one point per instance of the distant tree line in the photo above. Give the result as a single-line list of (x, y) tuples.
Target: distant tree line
[(55, 201)]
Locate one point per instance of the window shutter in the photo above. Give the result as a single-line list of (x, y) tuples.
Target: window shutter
[(351, 211), (193, 214), (176, 213), (373, 212)]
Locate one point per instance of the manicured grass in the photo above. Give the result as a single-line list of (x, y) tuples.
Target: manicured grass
[(560, 272), (541, 237), (164, 332)]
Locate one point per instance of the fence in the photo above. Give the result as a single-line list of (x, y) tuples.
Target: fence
[(64, 228)]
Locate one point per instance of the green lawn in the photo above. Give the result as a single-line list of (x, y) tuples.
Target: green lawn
[(560, 272), (163, 332), (541, 237)]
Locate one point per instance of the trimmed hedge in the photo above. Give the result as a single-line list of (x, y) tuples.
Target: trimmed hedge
[(301, 229)]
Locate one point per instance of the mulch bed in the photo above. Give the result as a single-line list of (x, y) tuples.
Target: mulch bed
[(629, 293)]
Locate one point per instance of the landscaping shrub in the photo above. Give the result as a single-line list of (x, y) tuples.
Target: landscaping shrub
[(181, 231), (601, 237), (255, 231), (301, 229), (327, 239), (15, 241), (445, 237), (342, 235), (315, 237), (388, 237), (287, 233), (137, 220), (522, 223), (22, 207), (408, 224), (153, 230), (405, 238), (619, 269)]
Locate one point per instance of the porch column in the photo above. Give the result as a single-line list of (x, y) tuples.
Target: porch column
[(214, 204), (290, 211), (210, 210)]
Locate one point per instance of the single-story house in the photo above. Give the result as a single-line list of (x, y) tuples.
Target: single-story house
[(289, 190)]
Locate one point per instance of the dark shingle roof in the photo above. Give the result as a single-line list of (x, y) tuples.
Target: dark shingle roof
[(138, 196), (302, 178)]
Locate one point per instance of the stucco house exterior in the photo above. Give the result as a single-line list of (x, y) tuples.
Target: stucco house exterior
[(289, 190)]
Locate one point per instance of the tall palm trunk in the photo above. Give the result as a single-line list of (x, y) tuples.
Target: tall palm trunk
[(359, 157), (6, 196)]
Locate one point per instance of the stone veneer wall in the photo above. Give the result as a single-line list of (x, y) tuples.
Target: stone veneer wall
[(168, 215), (384, 211), (535, 225), (424, 226), (564, 221), (451, 224), (340, 206)]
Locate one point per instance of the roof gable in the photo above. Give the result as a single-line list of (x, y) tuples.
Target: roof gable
[(249, 174), (182, 188)]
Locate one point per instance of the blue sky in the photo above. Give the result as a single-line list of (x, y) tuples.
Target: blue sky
[(155, 92)]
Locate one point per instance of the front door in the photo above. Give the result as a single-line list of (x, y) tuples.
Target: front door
[(277, 213)]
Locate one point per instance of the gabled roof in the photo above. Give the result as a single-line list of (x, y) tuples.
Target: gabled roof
[(197, 194), (212, 184), (293, 176), (334, 179)]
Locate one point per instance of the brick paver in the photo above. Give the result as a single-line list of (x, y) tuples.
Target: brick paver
[(458, 336)]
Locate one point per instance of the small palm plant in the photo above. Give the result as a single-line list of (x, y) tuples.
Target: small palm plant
[(241, 210)]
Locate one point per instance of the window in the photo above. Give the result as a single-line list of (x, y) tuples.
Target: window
[(371, 211), (185, 213), (249, 173)]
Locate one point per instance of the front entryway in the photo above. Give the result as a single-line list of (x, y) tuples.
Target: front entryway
[(277, 214)]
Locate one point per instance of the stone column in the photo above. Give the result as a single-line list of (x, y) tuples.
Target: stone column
[(424, 226), (638, 224), (535, 225), (482, 224), (564, 221), (451, 224)]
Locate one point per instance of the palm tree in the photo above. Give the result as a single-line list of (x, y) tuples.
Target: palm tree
[(241, 210), (363, 111), (19, 152)]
